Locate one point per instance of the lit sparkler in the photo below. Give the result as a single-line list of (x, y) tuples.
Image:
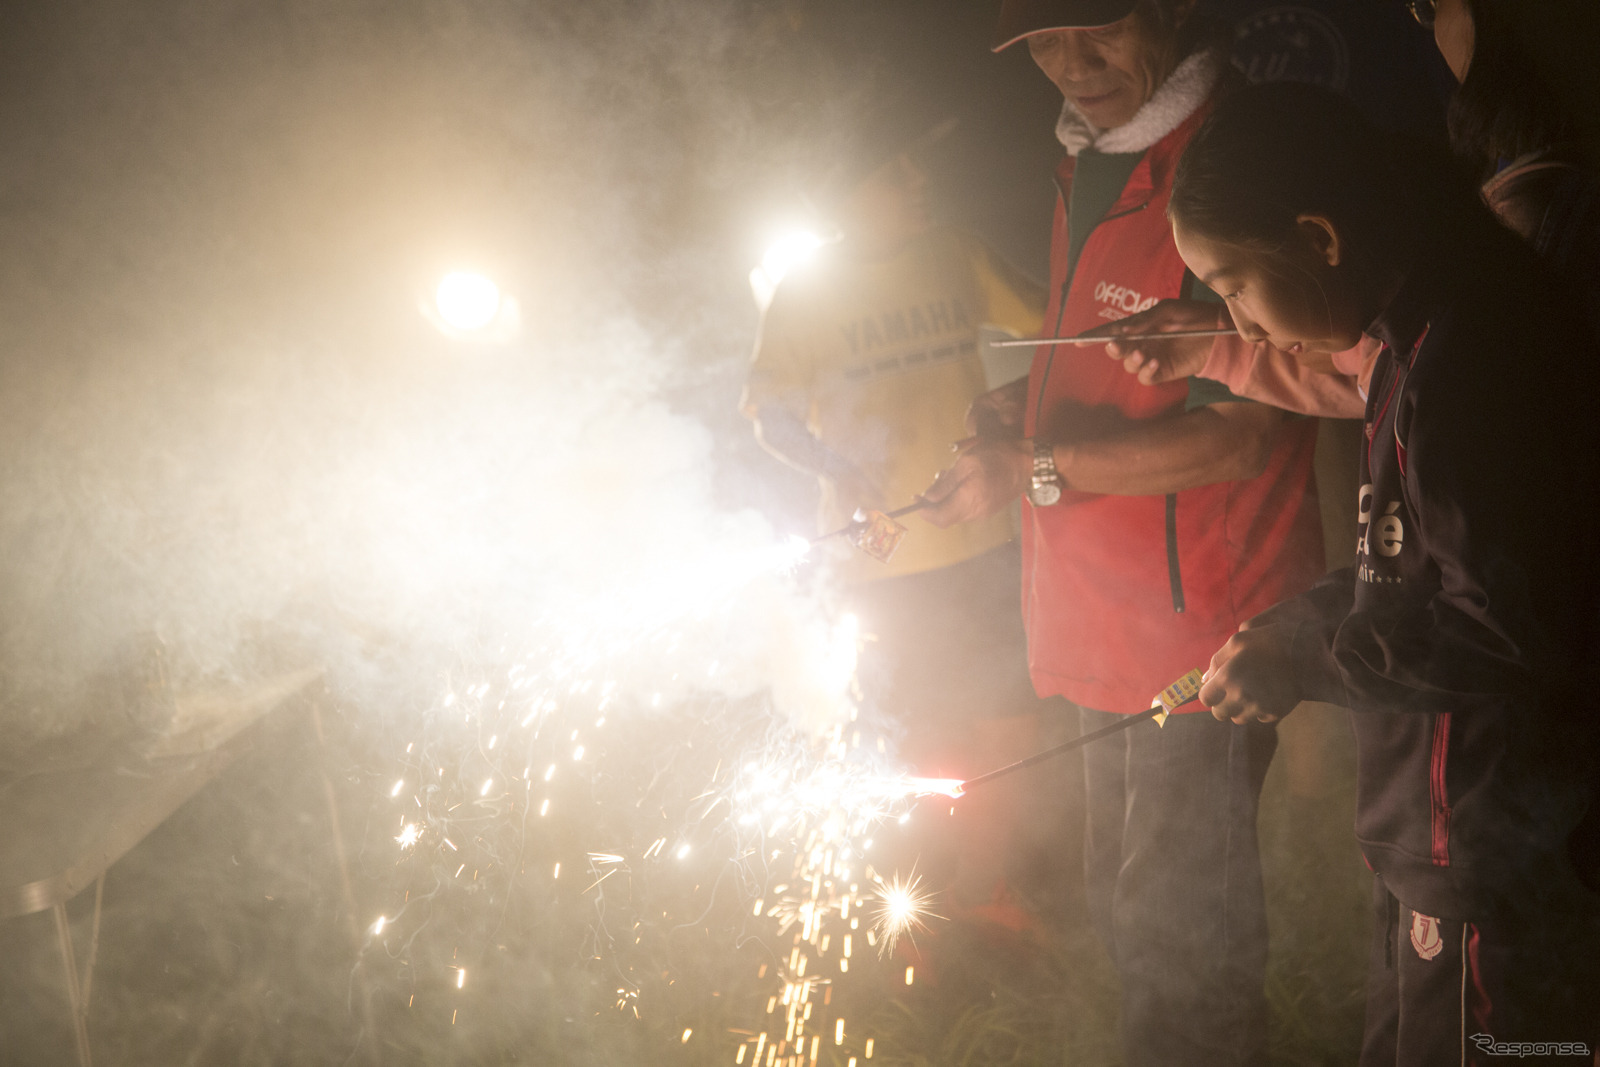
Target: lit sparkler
[(927, 787), (803, 805), (902, 907)]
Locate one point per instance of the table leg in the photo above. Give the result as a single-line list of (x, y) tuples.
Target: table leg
[(70, 962)]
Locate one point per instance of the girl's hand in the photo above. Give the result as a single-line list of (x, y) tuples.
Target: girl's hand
[(1164, 361), (1252, 677)]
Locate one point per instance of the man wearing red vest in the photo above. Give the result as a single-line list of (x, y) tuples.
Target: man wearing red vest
[(1155, 521)]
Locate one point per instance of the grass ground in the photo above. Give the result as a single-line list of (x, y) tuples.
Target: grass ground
[(226, 941), (1003, 1002)]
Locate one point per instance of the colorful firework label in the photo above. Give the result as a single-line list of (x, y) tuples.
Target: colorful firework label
[(879, 536), (1182, 691)]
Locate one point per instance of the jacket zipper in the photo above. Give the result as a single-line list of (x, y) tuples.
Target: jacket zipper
[(1174, 573)]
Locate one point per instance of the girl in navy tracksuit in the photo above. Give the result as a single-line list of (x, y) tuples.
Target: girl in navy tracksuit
[(1464, 637)]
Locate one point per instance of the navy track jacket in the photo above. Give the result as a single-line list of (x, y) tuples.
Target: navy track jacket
[(1463, 638)]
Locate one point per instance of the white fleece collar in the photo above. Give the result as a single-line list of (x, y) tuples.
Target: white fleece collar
[(1186, 88)]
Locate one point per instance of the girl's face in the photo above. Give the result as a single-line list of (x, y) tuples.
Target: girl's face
[(1300, 300)]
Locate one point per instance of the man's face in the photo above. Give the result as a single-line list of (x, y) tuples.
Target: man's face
[(1108, 72)]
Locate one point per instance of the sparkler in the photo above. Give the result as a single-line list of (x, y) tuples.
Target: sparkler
[(856, 528), (902, 906), (1105, 338), (876, 532), (1178, 693), (496, 747)]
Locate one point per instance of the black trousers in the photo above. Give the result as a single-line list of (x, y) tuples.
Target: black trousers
[(1174, 885), (1520, 987)]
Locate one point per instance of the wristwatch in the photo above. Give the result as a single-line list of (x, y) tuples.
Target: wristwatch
[(1046, 487)]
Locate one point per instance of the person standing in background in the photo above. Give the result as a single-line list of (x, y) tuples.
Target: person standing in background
[(867, 359)]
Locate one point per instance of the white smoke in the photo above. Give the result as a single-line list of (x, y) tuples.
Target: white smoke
[(226, 432)]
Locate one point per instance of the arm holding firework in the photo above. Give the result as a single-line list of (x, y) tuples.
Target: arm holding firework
[(1220, 442), (994, 465), (785, 435), (1254, 370), (1281, 657), (1165, 361), (997, 415)]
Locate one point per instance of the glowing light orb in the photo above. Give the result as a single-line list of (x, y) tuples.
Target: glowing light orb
[(788, 251), (467, 301)]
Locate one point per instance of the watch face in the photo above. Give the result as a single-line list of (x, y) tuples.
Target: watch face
[(1043, 494)]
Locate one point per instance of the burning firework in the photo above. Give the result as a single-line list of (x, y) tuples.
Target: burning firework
[(903, 905)]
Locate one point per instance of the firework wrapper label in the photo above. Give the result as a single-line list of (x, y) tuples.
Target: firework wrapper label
[(1182, 691), (879, 535)]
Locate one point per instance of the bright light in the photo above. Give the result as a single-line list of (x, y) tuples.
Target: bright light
[(467, 301), (902, 906), (786, 252), (947, 787)]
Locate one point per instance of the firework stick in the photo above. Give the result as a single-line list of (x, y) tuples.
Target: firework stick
[(1173, 696), (916, 505), (1106, 338)]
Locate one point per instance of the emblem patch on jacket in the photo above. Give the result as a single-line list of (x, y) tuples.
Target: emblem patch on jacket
[(1425, 935)]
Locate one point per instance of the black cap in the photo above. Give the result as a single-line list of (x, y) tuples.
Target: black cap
[(1021, 18)]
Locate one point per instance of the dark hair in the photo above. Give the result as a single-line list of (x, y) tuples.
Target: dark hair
[(1199, 31), (1275, 151), (1505, 107)]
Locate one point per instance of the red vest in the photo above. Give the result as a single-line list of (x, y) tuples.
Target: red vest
[(1123, 594)]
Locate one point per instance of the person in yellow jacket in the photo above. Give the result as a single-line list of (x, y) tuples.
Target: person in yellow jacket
[(868, 357)]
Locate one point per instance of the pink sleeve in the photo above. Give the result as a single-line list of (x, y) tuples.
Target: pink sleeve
[(1261, 372), (1358, 362)]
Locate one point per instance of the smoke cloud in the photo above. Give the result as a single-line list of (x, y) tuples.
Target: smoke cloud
[(224, 425)]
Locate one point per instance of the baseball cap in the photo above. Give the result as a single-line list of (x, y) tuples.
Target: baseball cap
[(1021, 18)]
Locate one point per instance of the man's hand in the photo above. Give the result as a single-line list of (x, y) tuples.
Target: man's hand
[(997, 414), (1164, 361), (1251, 677), (987, 477)]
